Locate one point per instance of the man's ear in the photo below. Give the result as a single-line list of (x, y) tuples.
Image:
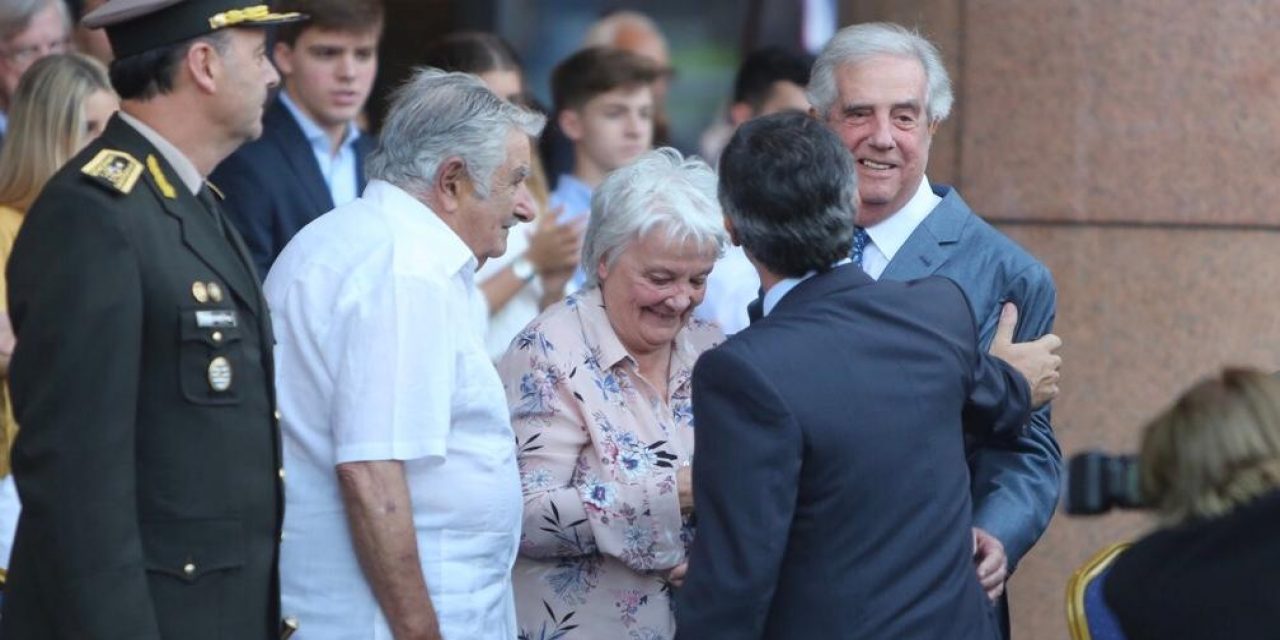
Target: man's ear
[(739, 112), (733, 236), (571, 124), (204, 63), (283, 56), (452, 183)]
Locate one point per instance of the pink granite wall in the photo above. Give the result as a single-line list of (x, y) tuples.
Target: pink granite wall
[(1129, 146)]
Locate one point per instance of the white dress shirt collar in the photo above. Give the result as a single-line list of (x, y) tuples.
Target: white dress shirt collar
[(888, 236), (784, 286)]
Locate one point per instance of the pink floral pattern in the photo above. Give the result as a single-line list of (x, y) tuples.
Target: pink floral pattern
[(598, 453)]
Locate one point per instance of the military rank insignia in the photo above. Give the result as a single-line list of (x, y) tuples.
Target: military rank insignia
[(115, 169)]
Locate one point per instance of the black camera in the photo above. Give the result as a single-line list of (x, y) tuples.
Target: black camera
[(1098, 482)]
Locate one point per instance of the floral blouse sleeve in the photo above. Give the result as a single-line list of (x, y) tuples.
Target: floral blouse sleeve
[(597, 476)]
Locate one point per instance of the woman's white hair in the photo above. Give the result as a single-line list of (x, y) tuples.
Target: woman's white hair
[(660, 191), (435, 116), (860, 42)]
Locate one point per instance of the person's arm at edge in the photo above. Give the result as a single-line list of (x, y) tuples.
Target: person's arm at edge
[(375, 496)]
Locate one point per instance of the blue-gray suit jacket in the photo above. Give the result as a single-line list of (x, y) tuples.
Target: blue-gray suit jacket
[(1015, 485)]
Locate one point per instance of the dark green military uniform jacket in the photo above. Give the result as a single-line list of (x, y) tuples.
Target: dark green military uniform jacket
[(148, 460)]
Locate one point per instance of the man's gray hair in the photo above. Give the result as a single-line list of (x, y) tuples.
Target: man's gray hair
[(860, 42), (659, 191), (435, 116), (16, 15)]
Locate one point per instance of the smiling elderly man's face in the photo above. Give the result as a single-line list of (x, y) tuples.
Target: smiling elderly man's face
[(880, 115)]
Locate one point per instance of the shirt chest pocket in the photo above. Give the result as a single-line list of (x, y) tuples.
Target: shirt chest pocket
[(210, 356)]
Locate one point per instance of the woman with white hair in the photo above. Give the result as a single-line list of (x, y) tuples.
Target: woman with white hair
[(598, 387)]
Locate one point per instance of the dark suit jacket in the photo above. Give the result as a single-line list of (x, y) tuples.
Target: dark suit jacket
[(274, 186), (829, 481), (1203, 580), (151, 500), (1015, 483)]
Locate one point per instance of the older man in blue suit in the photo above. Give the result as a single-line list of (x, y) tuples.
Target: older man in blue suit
[(830, 481), (884, 91)]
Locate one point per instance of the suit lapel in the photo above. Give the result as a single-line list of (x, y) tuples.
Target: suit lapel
[(285, 133), (364, 144), (933, 241)]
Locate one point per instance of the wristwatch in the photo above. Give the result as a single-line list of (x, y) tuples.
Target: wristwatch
[(523, 269)]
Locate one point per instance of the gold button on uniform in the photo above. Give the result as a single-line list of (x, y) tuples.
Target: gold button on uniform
[(277, 414), (217, 336), (281, 473), (189, 569)]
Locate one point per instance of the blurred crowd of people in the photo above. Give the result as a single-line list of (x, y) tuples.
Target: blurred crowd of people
[(477, 341)]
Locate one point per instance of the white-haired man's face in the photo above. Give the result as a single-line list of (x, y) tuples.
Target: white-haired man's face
[(881, 115)]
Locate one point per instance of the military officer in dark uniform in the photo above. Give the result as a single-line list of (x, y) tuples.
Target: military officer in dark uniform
[(149, 458)]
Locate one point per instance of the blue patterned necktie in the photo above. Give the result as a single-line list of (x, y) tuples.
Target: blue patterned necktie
[(860, 239)]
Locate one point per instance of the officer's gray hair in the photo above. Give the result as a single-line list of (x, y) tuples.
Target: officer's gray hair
[(435, 116), (659, 191), (859, 42)]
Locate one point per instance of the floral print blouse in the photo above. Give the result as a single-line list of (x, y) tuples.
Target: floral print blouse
[(598, 450)]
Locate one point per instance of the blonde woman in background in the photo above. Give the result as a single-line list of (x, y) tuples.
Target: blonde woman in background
[(1210, 468), (62, 102)]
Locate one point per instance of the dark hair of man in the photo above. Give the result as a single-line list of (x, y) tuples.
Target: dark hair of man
[(788, 185), (348, 16), (763, 67), (145, 75), (473, 52), (596, 70)]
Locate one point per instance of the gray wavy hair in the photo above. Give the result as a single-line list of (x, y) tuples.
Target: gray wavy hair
[(859, 42), (659, 191), (435, 116)]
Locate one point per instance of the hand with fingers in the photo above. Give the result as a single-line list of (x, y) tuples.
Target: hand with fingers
[(1035, 360), (993, 565), (555, 247)]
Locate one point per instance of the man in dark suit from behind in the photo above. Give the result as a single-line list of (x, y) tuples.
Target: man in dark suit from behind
[(830, 481), (310, 158)]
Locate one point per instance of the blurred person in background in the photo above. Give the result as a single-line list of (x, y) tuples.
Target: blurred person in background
[(91, 42), (604, 104), (635, 32), (1210, 468), (29, 30), (599, 391), (61, 103), (541, 257), (770, 80), (311, 155)]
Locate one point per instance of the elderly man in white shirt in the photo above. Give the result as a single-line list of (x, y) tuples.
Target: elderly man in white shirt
[(403, 497)]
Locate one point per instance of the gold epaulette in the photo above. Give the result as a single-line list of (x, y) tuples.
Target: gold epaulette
[(115, 169)]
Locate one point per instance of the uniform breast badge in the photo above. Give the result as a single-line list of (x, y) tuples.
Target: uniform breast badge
[(219, 374), (215, 291), (115, 169), (200, 292)]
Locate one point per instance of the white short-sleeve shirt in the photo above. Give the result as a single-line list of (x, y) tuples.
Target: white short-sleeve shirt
[(378, 358)]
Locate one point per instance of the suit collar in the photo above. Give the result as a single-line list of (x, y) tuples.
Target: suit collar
[(934, 240), (279, 128), (200, 231), (842, 277)]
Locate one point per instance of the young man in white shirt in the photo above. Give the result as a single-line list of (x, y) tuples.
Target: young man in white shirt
[(404, 499)]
